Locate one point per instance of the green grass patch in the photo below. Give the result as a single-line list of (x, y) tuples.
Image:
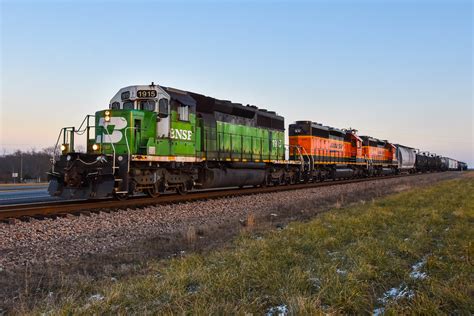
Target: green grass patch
[(408, 253)]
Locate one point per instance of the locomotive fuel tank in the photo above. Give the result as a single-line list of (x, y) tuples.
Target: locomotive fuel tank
[(343, 173), (230, 177)]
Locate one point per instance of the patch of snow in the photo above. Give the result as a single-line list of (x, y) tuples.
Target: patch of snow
[(416, 272), (280, 310), (378, 311), (397, 293), (341, 272), (96, 297), (332, 254)]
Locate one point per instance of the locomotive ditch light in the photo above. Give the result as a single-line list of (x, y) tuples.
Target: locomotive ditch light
[(95, 147), (63, 147)]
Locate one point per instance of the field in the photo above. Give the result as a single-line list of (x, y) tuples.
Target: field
[(407, 253)]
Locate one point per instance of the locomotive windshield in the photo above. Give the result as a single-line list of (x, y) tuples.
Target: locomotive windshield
[(128, 105), (147, 105)]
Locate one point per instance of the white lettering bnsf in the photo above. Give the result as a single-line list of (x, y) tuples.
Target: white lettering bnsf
[(181, 134)]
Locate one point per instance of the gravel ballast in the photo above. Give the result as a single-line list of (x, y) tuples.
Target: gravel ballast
[(62, 240)]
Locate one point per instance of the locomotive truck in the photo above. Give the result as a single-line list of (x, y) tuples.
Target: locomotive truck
[(153, 139)]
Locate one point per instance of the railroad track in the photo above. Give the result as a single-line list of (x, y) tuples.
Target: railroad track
[(62, 208)]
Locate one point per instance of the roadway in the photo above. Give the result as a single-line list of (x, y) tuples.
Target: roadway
[(24, 193)]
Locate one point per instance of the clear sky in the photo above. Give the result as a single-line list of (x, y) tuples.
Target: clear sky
[(397, 70)]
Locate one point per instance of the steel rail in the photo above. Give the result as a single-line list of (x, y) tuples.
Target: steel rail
[(71, 207)]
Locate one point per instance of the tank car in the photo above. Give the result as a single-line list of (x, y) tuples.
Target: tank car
[(423, 162), (443, 164)]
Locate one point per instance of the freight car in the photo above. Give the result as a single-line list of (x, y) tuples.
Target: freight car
[(406, 157), (424, 162), (442, 163), (452, 164), (154, 139)]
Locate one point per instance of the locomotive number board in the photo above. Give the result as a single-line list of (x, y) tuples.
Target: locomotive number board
[(146, 94)]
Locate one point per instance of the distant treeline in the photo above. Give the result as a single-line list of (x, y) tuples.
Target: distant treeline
[(30, 165)]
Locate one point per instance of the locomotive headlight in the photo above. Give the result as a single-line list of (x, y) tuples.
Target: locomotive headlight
[(95, 147), (63, 147), (107, 113), (107, 118)]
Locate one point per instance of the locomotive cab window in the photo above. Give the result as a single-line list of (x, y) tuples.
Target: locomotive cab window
[(163, 108), (128, 105), (147, 105), (115, 106), (183, 113)]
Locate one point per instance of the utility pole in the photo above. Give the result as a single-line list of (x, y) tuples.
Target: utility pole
[(21, 168)]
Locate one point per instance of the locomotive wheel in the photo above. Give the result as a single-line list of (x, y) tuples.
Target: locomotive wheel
[(153, 192), (292, 180), (266, 182), (182, 190)]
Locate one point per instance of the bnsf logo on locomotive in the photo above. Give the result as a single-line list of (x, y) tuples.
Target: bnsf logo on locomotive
[(181, 134), (118, 124)]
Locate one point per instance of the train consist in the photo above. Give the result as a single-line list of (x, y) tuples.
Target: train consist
[(153, 139)]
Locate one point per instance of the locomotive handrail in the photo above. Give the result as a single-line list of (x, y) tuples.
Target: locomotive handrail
[(299, 152), (310, 159), (113, 148), (84, 120), (128, 148)]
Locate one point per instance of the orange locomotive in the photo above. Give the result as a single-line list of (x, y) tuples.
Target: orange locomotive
[(380, 156), (335, 153)]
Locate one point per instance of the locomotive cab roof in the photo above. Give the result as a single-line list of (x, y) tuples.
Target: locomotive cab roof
[(125, 98)]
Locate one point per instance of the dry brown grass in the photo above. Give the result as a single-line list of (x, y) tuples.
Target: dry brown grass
[(406, 254)]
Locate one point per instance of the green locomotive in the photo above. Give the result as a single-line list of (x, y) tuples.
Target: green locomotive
[(154, 139)]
